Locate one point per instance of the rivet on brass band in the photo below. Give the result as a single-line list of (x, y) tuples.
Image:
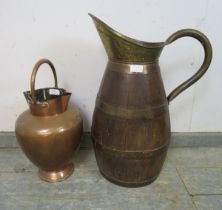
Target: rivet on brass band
[(130, 113), (127, 68), (130, 154)]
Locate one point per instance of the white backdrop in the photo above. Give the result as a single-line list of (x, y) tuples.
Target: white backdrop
[(63, 32)]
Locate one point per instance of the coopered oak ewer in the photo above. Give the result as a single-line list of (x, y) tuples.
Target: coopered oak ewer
[(131, 124)]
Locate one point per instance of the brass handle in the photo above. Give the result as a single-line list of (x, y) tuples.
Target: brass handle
[(207, 58), (34, 72)]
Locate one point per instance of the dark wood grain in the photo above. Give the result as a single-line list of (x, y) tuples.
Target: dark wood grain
[(131, 126)]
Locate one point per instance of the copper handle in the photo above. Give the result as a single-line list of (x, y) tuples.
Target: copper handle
[(34, 72), (207, 58)]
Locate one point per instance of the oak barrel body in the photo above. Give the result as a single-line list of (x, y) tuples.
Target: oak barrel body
[(131, 126)]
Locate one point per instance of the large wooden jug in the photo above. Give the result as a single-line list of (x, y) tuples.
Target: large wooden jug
[(131, 125)]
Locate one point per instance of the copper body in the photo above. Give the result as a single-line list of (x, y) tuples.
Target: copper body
[(131, 124), (49, 132)]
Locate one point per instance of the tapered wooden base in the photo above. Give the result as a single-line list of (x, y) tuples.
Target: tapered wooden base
[(129, 184)]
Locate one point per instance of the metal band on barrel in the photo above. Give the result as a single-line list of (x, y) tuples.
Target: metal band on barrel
[(130, 154), (127, 68), (130, 113)]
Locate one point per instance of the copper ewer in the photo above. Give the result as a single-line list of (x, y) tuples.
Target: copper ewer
[(49, 132), (131, 123)]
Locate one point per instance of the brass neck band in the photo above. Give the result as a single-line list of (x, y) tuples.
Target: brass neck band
[(129, 68), (130, 113)]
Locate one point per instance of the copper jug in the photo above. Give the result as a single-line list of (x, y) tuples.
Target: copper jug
[(49, 132), (131, 124)]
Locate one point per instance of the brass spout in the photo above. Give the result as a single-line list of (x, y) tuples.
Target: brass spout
[(125, 49)]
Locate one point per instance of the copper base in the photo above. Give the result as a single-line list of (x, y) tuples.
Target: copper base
[(57, 175)]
